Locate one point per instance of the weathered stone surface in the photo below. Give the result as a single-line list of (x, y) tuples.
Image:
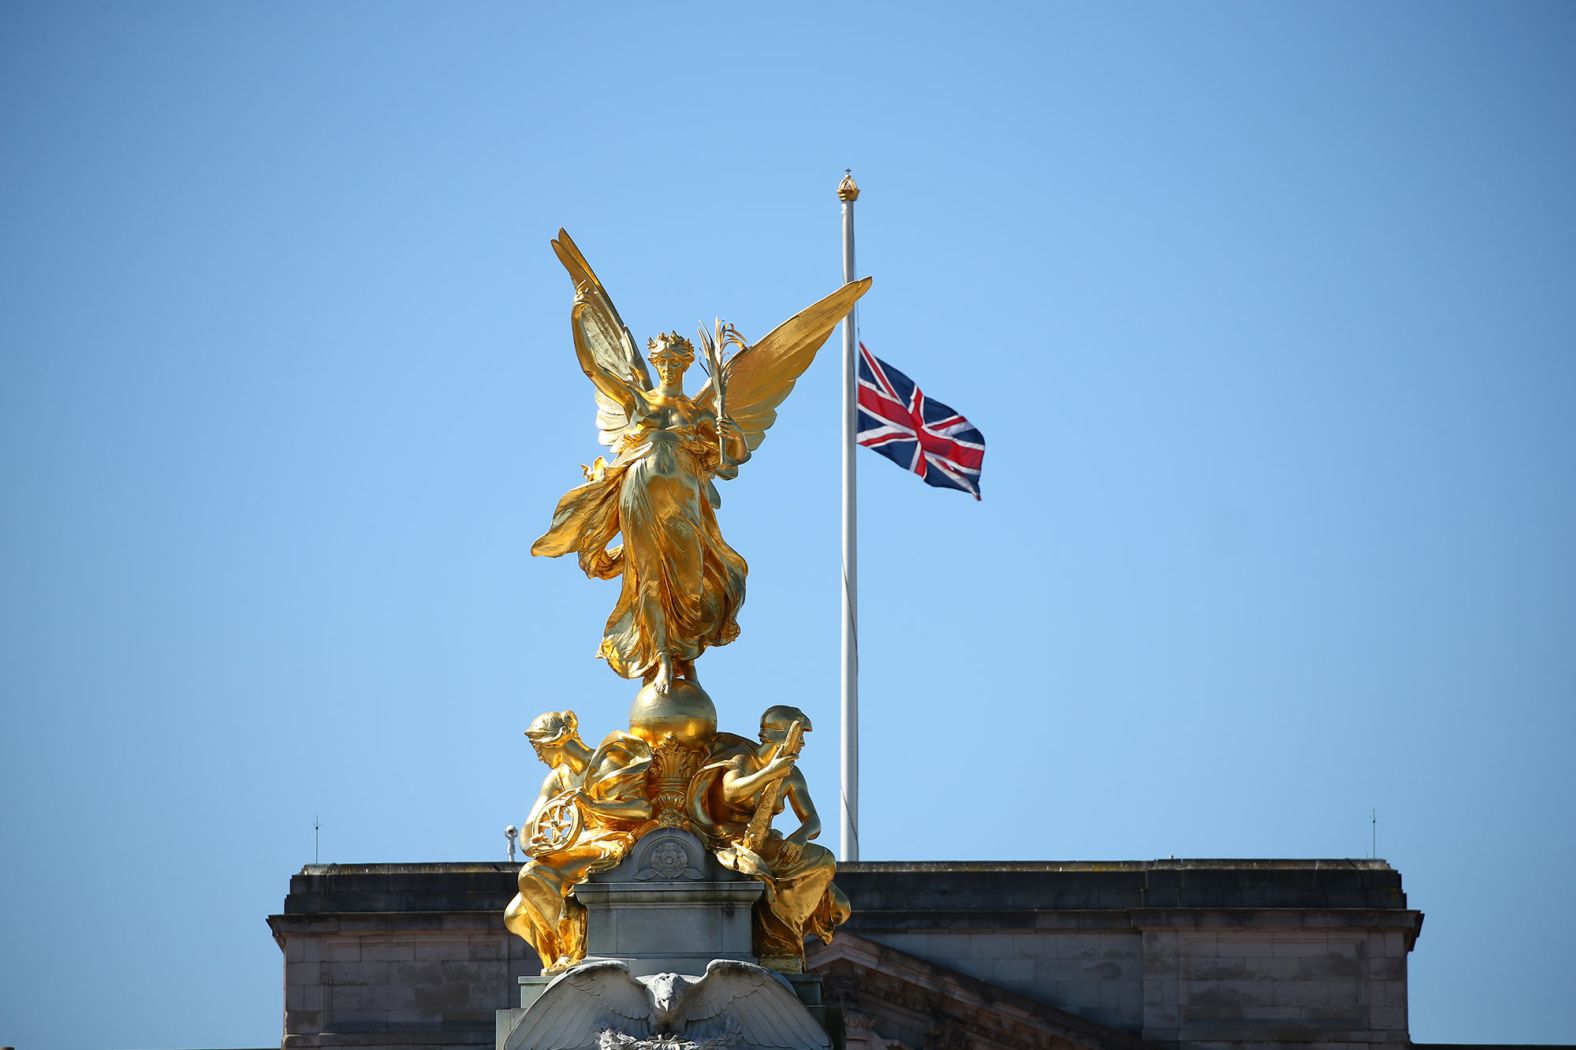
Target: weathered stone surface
[(889, 997), (1202, 955), (668, 907), (1177, 952), (404, 979), (732, 1003)]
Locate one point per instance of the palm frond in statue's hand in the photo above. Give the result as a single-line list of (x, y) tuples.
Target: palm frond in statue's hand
[(715, 346)]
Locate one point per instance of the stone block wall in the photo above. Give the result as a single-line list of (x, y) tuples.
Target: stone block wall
[(408, 956), (1194, 955), (1098, 975), (1200, 954)]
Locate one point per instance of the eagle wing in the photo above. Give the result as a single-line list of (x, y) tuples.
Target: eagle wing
[(761, 1003), (578, 1006)]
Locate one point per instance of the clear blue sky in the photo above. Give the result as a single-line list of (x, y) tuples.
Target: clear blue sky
[(1266, 311)]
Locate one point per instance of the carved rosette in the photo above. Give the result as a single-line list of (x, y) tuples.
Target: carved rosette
[(669, 855)]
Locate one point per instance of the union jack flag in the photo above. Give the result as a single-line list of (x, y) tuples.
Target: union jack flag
[(916, 432)]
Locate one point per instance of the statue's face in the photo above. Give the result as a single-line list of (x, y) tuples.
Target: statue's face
[(671, 369), (773, 733)]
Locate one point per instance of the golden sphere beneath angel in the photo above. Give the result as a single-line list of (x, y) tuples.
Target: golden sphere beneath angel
[(684, 712)]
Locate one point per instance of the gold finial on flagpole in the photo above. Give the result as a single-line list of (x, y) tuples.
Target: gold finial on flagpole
[(847, 190)]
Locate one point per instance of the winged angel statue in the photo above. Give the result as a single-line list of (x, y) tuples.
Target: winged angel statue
[(682, 584)]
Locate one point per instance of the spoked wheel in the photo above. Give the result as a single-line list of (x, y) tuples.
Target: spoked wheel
[(557, 826)]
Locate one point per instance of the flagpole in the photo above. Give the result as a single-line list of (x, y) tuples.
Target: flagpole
[(848, 193)]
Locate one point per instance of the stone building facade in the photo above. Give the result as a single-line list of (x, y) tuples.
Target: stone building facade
[(1183, 955)]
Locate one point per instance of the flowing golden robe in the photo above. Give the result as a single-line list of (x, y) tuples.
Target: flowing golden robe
[(800, 897), (682, 584), (543, 913)]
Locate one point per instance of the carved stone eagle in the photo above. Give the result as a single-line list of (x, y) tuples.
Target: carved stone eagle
[(600, 1006)]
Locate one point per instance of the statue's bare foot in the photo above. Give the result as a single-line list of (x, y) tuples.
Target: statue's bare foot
[(686, 670), (562, 963), (663, 681)]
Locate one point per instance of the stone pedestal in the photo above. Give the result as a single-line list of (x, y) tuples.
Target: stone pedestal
[(668, 908)]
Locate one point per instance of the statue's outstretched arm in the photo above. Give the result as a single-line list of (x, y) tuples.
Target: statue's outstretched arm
[(548, 790), (605, 349), (738, 787), (616, 388)]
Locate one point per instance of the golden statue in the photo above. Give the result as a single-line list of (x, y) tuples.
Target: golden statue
[(648, 517), (591, 806), (594, 805), (732, 803), (682, 585)]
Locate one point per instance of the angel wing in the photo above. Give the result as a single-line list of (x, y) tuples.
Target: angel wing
[(579, 1005), (601, 335), (759, 377), (761, 1003)]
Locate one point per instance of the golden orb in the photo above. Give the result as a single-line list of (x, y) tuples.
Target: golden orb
[(685, 713)]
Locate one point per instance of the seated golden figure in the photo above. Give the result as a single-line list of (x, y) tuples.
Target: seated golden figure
[(584, 820), (733, 801)]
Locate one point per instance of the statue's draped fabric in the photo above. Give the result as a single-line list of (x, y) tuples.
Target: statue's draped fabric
[(682, 584), (802, 898), (543, 913), (648, 518)]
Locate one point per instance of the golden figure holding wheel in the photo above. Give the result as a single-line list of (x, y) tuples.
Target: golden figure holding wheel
[(586, 816), (682, 584)]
